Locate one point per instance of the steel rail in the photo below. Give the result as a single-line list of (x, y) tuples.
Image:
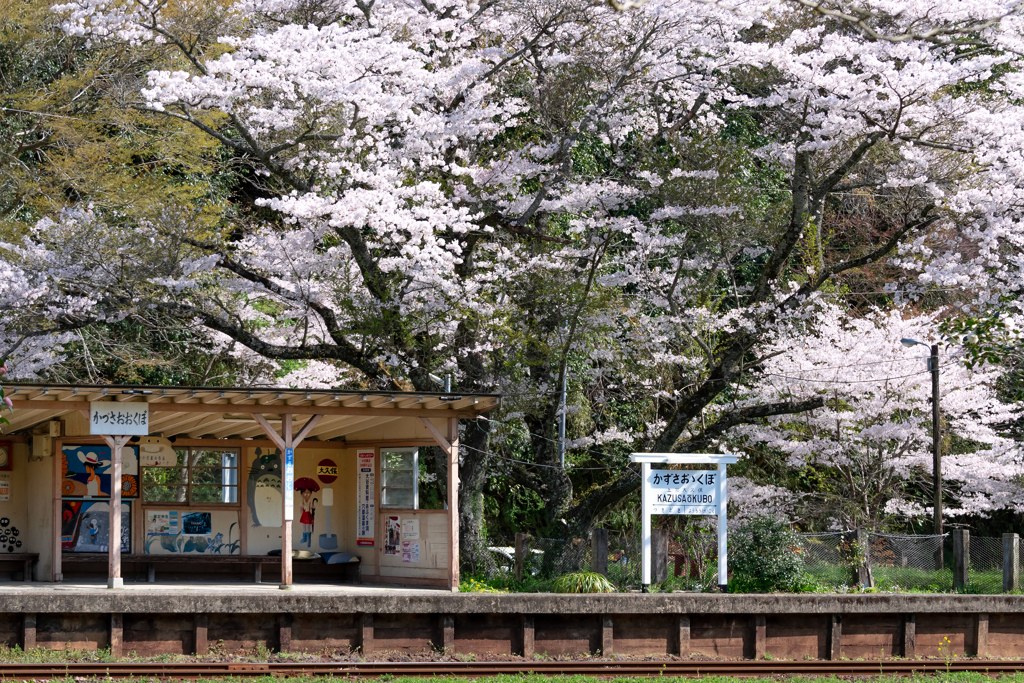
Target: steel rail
[(688, 668)]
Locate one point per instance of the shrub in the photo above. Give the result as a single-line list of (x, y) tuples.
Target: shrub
[(765, 555), (582, 582)]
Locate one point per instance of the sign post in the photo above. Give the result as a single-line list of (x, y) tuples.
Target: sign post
[(684, 492), (117, 422)]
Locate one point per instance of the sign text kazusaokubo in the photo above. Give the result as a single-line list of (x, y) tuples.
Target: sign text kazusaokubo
[(684, 492), (115, 418)]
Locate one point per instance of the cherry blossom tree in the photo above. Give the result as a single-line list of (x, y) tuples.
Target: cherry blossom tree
[(637, 203), (869, 446)]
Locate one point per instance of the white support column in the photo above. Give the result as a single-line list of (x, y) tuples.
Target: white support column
[(114, 579), (723, 528), (645, 507), (453, 504), (287, 502)]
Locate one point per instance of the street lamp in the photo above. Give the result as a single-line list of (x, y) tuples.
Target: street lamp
[(933, 365)]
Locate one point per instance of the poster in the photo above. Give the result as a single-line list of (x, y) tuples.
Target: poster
[(196, 524), (411, 529), (87, 472), (5, 490), (392, 535), (410, 551), (85, 526), (366, 490), (162, 522)]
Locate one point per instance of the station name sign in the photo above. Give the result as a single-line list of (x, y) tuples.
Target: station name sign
[(675, 492), (118, 419)]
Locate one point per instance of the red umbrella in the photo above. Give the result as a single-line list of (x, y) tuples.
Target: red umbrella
[(306, 484)]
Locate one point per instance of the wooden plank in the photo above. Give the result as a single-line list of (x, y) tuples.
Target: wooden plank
[(683, 636), (909, 636), (438, 437)]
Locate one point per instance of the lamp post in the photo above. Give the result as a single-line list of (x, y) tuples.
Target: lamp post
[(933, 365)]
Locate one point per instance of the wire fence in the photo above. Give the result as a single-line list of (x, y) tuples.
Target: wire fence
[(919, 563)]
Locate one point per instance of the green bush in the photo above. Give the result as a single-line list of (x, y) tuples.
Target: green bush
[(764, 556), (582, 582)]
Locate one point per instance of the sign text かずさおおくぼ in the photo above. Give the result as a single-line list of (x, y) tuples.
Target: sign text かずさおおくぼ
[(683, 492), (117, 418)]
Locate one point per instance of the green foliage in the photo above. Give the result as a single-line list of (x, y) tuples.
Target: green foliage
[(765, 556), (582, 582)]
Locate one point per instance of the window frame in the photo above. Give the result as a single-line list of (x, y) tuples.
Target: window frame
[(189, 484), (415, 477)]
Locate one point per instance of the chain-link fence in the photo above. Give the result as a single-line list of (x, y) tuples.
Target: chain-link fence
[(829, 557), (897, 562), (911, 562), (986, 565)]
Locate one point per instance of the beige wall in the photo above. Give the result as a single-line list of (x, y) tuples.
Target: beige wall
[(432, 541)]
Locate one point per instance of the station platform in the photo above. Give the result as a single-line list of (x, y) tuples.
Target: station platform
[(200, 617)]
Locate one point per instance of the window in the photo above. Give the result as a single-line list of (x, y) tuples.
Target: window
[(200, 477), (399, 483)]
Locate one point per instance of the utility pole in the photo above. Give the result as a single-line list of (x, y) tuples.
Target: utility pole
[(561, 422), (933, 365)]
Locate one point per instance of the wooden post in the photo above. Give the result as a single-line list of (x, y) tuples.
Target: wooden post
[(447, 644), (760, 636), (909, 636), (599, 551), (28, 631), (114, 579), (862, 573), (199, 632), (981, 635), (284, 632), (835, 637), (607, 635), (683, 636), (364, 623), (56, 570), (286, 441), (116, 634), (659, 555), (286, 511), (520, 555), (453, 505), (961, 558), (1011, 562), (527, 635)]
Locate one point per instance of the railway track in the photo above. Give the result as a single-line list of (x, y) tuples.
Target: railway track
[(195, 671)]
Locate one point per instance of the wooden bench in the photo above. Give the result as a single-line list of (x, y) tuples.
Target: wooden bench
[(28, 559), (253, 562)]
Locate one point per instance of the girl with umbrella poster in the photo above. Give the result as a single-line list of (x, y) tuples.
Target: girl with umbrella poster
[(307, 487)]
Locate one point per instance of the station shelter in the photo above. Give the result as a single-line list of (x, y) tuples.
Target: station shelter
[(232, 481)]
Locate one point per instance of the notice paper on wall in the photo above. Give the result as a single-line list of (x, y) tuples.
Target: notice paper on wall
[(410, 529), (392, 535), (162, 522), (5, 490), (366, 489), (410, 551)]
